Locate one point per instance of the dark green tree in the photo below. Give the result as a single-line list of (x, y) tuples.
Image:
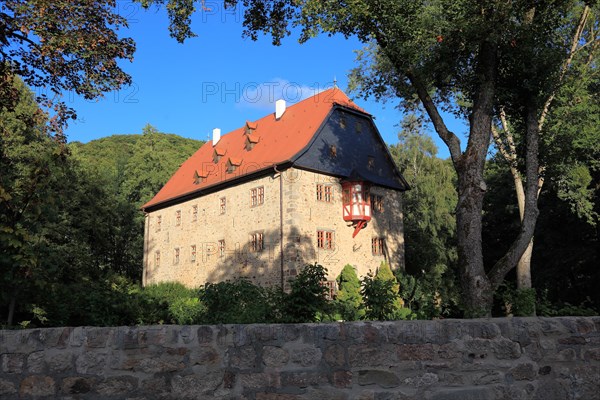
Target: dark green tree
[(61, 46), (429, 284), (307, 299), (348, 301)]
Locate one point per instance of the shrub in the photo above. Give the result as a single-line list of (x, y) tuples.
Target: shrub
[(307, 300), (348, 302), (171, 303), (239, 302), (381, 296)]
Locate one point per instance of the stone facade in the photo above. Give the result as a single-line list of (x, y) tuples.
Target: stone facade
[(495, 359), (212, 238)]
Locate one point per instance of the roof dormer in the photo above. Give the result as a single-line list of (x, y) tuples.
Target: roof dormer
[(233, 164), (250, 127), (199, 177), (218, 153), (251, 141)]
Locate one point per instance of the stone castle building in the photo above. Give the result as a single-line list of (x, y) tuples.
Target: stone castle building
[(313, 182)]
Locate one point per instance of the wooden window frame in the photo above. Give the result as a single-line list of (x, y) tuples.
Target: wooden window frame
[(378, 246), (222, 205), (325, 239), (257, 196), (221, 247), (257, 241), (324, 193)]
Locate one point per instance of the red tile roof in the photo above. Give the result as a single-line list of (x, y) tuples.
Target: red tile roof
[(280, 141)]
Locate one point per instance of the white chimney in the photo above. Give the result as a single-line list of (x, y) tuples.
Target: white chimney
[(279, 108), (216, 135)]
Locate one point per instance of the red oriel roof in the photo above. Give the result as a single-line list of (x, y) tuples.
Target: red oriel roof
[(280, 141)]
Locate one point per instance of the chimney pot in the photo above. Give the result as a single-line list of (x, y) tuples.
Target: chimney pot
[(279, 108), (216, 136)]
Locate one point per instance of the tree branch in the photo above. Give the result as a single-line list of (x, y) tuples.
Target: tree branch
[(451, 140), (567, 63), (510, 259)]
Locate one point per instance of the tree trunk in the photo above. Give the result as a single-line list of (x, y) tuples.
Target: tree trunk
[(11, 308), (524, 268), (477, 291)]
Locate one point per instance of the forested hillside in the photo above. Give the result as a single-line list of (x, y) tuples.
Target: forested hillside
[(71, 229)]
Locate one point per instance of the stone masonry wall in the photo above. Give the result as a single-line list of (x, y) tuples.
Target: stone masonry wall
[(184, 245), (519, 358)]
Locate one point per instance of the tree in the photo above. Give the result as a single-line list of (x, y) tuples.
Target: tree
[(307, 299), (61, 46), (348, 300), (583, 45), (381, 296), (468, 57), (429, 285)]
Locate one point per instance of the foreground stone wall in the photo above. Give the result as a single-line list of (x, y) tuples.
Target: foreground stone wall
[(529, 358)]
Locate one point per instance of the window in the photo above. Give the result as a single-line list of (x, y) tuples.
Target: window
[(178, 217), (222, 248), (358, 127), (377, 246), (217, 154), (193, 253), (371, 162), (231, 167), (223, 205), (197, 178), (157, 258), (194, 213), (158, 223), (257, 196), (176, 257), (331, 289), (257, 243), (324, 193), (333, 151), (325, 240), (376, 203)]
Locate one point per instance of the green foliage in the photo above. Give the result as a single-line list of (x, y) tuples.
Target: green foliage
[(70, 236), (308, 296), (170, 302), (546, 308), (348, 302), (517, 302), (429, 284), (239, 302), (381, 297), (60, 47), (426, 297)]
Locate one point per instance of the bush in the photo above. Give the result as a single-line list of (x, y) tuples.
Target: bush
[(546, 309), (239, 302), (348, 302), (516, 302), (170, 303), (307, 300), (381, 296)]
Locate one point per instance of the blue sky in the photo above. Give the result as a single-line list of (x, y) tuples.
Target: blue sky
[(218, 79)]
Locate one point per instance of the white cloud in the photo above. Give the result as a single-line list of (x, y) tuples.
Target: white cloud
[(264, 95)]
